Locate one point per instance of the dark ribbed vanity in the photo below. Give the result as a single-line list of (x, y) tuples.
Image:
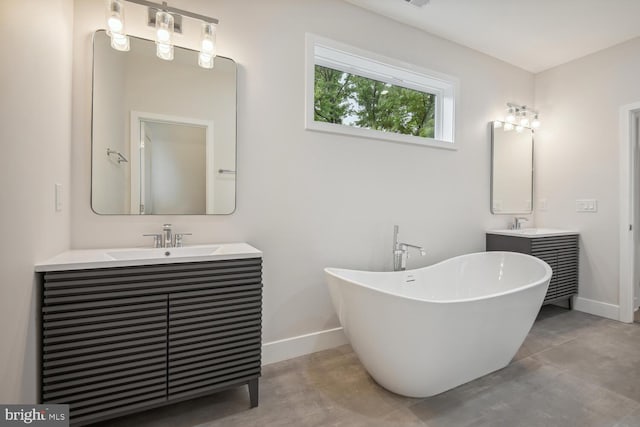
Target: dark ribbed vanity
[(559, 249), (121, 339)]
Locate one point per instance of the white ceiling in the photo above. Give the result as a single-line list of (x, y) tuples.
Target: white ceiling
[(531, 34)]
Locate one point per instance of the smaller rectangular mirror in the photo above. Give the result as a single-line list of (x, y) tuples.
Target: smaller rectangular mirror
[(511, 170)]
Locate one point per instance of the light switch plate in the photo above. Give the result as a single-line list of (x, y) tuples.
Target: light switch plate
[(587, 205), (58, 197)]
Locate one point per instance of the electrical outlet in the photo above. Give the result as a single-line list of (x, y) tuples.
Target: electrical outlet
[(587, 205)]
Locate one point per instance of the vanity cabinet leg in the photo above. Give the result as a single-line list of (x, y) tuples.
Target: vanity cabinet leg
[(253, 392), (570, 303)]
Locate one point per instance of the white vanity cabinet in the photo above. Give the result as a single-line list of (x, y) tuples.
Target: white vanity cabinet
[(122, 339)]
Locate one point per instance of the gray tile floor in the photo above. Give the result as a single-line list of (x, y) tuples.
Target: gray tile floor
[(574, 369)]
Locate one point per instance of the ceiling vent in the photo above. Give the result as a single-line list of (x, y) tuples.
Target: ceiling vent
[(418, 3)]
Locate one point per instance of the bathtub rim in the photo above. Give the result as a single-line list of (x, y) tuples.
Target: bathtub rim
[(547, 277)]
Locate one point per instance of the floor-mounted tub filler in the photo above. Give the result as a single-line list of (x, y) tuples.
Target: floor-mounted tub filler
[(421, 332)]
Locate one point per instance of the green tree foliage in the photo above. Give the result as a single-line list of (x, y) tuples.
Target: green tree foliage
[(331, 91), (345, 98)]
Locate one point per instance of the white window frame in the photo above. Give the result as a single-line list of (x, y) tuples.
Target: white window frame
[(339, 56)]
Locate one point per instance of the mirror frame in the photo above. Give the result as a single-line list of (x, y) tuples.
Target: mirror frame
[(523, 212), (235, 125)]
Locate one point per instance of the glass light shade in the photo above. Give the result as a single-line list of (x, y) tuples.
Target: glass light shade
[(208, 39), (115, 17), (120, 42), (524, 122), (519, 129), (164, 51), (164, 31), (205, 61), (511, 117), (535, 123), (497, 124), (508, 126)]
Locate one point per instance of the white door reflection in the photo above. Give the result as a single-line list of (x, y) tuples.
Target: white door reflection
[(172, 168)]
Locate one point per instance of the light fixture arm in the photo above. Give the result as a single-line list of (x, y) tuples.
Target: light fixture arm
[(165, 7)]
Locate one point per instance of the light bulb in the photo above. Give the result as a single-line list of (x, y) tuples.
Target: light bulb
[(519, 129), (207, 45), (524, 122), (497, 124), (508, 126), (162, 35), (115, 25), (511, 116)]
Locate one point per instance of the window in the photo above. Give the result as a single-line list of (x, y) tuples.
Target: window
[(359, 93)]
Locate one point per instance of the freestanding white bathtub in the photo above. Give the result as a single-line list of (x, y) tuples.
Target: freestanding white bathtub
[(421, 332)]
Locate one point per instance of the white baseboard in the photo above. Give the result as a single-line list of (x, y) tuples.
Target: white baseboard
[(289, 348), (598, 308)]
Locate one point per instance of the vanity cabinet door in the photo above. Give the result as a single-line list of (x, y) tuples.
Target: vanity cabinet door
[(215, 332), (102, 356), (562, 254)]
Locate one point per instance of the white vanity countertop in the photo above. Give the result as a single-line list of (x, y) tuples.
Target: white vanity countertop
[(534, 232), (81, 259)]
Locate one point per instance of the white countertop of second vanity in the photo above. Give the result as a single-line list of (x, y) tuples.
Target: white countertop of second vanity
[(81, 259), (532, 233)]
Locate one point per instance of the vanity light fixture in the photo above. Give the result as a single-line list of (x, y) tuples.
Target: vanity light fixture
[(535, 123), (518, 117), (115, 25), (207, 45), (167, 21), (511, 115), (164, 35)]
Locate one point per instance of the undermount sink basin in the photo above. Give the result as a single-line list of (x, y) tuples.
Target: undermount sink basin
[(153, 253), (534, 232)]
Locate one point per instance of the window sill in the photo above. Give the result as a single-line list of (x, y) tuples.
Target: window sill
[(381, 135)]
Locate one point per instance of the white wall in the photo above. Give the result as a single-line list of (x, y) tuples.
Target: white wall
[(311, 200), (35, 74), (576, 157)]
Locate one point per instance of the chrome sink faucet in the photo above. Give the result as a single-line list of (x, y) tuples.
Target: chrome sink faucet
[(167, 236), (401, 251), (167, 239), (517, 222)]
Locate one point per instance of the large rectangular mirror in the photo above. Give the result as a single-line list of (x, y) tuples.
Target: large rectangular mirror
[(163, 132), (511, 170)]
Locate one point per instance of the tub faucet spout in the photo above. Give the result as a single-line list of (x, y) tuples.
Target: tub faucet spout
[(401, 251)]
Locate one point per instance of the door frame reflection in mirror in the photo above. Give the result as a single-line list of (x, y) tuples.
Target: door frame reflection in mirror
[(140, 117), (492, 202)]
